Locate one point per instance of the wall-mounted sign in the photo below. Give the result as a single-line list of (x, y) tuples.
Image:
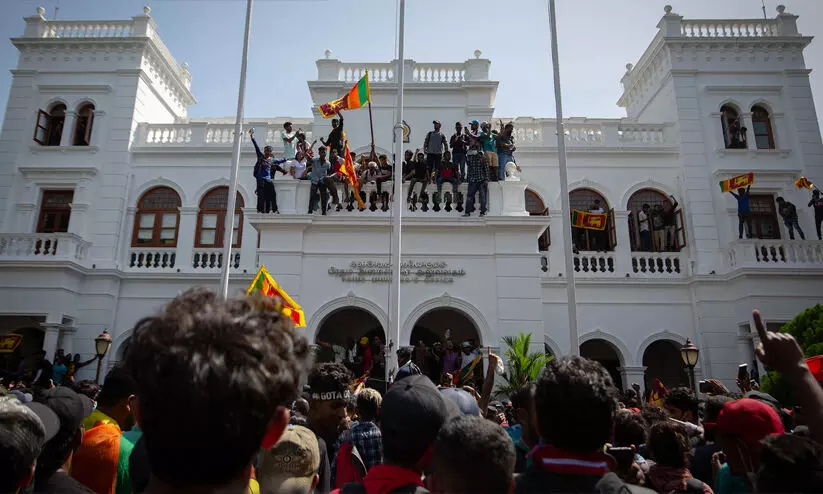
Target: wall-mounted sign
[(410, 272)]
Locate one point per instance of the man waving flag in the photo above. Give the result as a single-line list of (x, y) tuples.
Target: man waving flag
[(347, 170), (356, 98)]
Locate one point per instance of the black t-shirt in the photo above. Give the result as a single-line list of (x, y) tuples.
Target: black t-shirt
[(61, 483), (324, 470), (420, 170)]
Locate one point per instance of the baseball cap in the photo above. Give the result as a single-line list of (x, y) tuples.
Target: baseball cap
[(463, 400), (474, 122), (750, 419), (71, 407), (412, 412), (292, 463), (436, 122), (50, 421)]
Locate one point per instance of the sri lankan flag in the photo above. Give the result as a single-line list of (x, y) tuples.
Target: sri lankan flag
[(658, 394), (265, 284), (466, 372), (347, 170), (589, 221), (803, 183), (356, 98), (737, 182)]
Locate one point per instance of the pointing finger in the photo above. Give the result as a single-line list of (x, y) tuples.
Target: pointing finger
[(761, 329)]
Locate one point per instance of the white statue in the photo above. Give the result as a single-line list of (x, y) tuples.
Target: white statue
[(512, 172)]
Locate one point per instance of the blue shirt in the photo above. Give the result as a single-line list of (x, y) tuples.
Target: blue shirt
[(319, 170), (730, 484), (742, 201)]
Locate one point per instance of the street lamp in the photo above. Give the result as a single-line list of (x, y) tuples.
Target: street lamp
[(689, 354), (101, 347)]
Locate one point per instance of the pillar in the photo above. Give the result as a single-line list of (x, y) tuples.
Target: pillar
[(631, 375), (746, 118), (97, 129), (623, 249), (185, 236), (52, 327), (67, 137)]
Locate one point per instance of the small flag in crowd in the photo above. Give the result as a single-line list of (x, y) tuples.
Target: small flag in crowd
[(357, 382), (10, 342), (658, 394), (356, 98), (737, 182), (589, 221), (265, 284), (803, 183), (347, 170), (466, 372)]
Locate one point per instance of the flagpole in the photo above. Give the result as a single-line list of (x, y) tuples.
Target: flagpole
[(393, 331), (564, 190), (371, 127), (228, 234)]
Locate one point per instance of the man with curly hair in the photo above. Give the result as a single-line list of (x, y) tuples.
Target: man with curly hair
[(329, 395), (215, 379)]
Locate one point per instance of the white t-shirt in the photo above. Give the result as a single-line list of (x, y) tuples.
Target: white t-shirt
[(298, 168), (644, 221), (289, 148)]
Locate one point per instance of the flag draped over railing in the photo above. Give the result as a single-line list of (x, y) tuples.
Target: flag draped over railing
[(354, 99), (737, 182), (265, 284)]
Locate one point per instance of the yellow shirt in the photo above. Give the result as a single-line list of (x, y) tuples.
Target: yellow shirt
[(98, 416)]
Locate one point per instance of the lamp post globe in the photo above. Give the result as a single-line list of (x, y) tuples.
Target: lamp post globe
[(690, 354), (101, 347)]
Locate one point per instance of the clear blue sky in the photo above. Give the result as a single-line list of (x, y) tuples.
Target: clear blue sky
[(597, 39)]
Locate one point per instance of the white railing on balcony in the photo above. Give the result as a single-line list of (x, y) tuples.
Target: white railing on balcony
[(89, 29), (43, 246), (439, 72), (746, 28), (594, 264), (206, 260), (151, 259), (206, 134), (657, 265), (603, 133), (432, 73), (378, 72), (776, 253), (641, 133)]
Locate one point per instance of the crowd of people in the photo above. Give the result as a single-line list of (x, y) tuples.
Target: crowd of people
[(786, 209), (475, 155), (218, 395)]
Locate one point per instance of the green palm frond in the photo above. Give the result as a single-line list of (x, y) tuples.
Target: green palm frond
[(523, 364)]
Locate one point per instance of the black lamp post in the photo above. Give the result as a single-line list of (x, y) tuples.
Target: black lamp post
[(689, 354), (101, 347)]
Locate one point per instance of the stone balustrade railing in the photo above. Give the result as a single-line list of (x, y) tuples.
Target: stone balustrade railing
[(378, 72), (155, 259), (590, 133), (624, 263), (801, 254), (89, 29), (43, 246), (211, 260), (744, 28), (474, 69), (205, 134)]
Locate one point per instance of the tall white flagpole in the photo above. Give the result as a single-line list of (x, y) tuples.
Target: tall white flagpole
[(564, 190), (393, 331), (228, 234)]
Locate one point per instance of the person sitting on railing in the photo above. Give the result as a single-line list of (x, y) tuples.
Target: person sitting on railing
[(303, 145), (297, 167), (789, 213), (418, 174), (447, 173), (263, 173), (385, 172)]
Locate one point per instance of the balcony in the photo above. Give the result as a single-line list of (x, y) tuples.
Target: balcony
[(46, 247), (210, 135), (622, 263), (167, 260), (583, 133), (776, 254)]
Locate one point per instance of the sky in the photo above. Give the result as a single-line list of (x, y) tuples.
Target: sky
[(596, 38)]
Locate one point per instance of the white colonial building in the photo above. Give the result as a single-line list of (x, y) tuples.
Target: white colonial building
[(112, 201)]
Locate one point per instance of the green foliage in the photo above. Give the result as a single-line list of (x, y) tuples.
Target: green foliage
[(523, 364), (807, 329)]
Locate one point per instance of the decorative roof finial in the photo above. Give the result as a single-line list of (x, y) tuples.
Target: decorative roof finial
[(328, 53), (146, 10), (185, 66), (41, 11), (781, 9), (629, 67), (667, 9), (477, 53)]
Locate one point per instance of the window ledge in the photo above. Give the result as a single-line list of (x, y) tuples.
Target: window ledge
[(754, 153), (37, 149)]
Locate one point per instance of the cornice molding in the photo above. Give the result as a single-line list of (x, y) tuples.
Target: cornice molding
[(744, 89), (50, 172), (73, 88)]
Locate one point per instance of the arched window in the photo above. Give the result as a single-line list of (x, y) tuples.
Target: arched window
[(535, 207), (82, 128), (49, 126), (734, 134), (211, 219), (157, 219), (588, 200), (763, 136), (664, 222)]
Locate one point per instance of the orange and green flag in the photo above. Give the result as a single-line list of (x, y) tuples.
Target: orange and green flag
[(347, 170), (589, 221), (737, 182), (466, 372), (265, 284), (657, 395), (356, 98)]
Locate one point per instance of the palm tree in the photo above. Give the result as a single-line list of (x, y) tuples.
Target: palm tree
[(524, 365)]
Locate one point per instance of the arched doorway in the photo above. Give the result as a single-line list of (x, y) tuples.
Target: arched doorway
[(432, 328), (671, 237), (589, 200), (342, 330), (662, 361), (536, 207), (609, 357)]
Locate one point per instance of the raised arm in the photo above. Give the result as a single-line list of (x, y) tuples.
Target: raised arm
[(256, 147), (674, 206), (735, 195), (426, 141), (488, 383)]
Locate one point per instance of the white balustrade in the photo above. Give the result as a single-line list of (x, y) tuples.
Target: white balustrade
[(657, 265), (776, 253), (594, 264), (378, 72), (152, 259), (749, 28), (204, 260), (439, 72), (641, 133), (584, 134), (168, 134), (43, 246), (89, 29)]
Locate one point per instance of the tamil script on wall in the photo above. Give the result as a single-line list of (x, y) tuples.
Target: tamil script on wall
[(410, 272)]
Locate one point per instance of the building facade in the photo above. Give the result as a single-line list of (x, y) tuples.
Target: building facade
[(112, 201)]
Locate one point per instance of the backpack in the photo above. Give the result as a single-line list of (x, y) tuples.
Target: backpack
[(350, 466), (359, 488)]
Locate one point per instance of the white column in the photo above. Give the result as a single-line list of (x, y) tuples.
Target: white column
[(623, 249), (746, 118), (123, 259), (67, 338), (185, 237), (558, 236), (631, 375), (52, 327), (248, 248), (66, 138), (98, 129)]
